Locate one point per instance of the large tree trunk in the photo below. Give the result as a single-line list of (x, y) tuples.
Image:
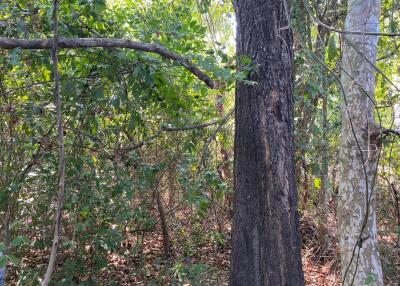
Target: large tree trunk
[(359, 153), (265, 240)]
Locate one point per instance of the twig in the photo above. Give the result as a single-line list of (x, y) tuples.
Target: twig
[(222, 121)]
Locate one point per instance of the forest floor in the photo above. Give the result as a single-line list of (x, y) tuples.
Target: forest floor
[(201, 256)]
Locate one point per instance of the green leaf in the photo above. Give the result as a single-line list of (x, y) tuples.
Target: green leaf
[(132, 123), (46, 74), (115, 102), (19, 240), (13, 259), (332, 49), (393, 26), (49, 15), (85, 212), (3, 260), (317, 183), (80, 227), (371, 278), (3, 198), (315, 169), (68, 87), (15, 224), (69, 244), (15, 56), (99, 6), (94, 126), (193, 24)]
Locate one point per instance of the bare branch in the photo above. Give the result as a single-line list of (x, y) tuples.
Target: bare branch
[(386, 132), (70, 43), (391, 132), (198, 126), (221, 121)]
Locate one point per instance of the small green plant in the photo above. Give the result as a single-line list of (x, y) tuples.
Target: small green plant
[(218, 239), (371, 278), (194, 273)]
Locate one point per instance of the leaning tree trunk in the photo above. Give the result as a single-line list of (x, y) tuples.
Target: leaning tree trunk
[(360, 262), (265, 239)]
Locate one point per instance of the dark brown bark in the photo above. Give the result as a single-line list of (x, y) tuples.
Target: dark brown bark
[(265, 239)]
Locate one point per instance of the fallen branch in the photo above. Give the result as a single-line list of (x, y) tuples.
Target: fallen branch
[(70, 43)]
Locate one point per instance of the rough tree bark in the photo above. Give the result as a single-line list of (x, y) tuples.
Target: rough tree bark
[(265, 239), (359, 151)]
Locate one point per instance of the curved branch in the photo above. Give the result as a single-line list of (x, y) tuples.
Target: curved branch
[(75, 43)]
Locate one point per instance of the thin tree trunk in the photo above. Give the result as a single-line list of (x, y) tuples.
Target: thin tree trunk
[(168, 251), (265, 239), (171, 185), (224, 170), (323, 194), (6, 242), (396, 198), (306, 183), (323, 209), (360, 261), (61, 151)]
